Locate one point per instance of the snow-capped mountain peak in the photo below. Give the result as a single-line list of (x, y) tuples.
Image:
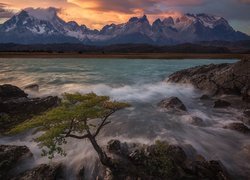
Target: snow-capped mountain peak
[(44, 25), (44, 22), (143, 19)]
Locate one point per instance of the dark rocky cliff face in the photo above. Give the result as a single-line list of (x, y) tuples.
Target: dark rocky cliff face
[(218, 79)]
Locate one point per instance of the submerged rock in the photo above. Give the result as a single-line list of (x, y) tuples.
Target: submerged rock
[(42, 172), (247, 113), (10, 156), (32, 87), (196, 121), (172, 103), (221, 104), (205, 97), (240, 127)]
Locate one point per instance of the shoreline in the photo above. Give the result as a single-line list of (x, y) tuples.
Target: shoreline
[(121, 55)]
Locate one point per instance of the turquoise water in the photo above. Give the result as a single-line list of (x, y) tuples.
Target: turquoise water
[(142, 83), (113, 72)]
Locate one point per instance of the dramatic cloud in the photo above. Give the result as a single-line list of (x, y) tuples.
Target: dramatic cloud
[(131, 6), (97, 13), (5, 13)]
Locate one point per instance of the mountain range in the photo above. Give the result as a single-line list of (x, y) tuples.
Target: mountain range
[(43, 26)]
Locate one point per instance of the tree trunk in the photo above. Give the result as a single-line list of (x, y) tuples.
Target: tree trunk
[(105, 160)]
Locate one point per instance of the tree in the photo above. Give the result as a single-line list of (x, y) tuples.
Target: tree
[(73, 118)]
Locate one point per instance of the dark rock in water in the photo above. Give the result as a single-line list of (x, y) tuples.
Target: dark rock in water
[(114, 146), (9, 157), (8, 92), (42, 172), (172, 103), (164, 161), (81, 174), (32, 87), (240, 127), (177, 153), (117, 147), (196, 121), (204, 97), (216, 79), (208, 170), (221, 104), (247, 113), (246, 93), (15, 106), (26, 105)]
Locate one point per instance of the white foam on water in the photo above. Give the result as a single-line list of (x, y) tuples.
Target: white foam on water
[(143, 123)]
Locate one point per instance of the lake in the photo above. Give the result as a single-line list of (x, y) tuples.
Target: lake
[(142, 83)]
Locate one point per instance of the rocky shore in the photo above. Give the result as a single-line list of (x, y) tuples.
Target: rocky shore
[(16, 106), (230, 79), (227, 85), (133, 161)]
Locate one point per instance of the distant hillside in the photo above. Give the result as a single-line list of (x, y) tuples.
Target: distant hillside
[(201, 47)]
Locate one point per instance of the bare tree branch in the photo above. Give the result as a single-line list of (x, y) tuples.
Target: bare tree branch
[(70, 128), (104, 123), (78, 137)]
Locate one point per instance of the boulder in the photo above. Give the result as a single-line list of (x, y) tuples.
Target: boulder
[(117, 147), (247, 113), (221, 104), (32, 87), (42, 172), (164, 161), (217, 78), (208, 170), (15, 106), (205, 97), (9, 157), (8, 92), (114, 146), (240, 127), (194, 120), (28, 106), (176, 153), (172, 103)]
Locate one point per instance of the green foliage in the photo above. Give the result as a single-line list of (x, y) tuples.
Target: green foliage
[(158, 163), (72, 116), (4, 118)]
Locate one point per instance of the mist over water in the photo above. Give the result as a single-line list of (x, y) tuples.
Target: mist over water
[(140, 83)]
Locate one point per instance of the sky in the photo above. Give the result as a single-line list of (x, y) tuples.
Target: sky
[(97, 13)]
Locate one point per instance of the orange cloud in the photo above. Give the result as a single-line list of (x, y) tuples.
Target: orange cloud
[(97, 13)]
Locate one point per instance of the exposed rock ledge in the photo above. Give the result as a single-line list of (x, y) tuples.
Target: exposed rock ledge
[(15, 106), (162, 161), (133, 161), (218, 79), (10, 156)]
